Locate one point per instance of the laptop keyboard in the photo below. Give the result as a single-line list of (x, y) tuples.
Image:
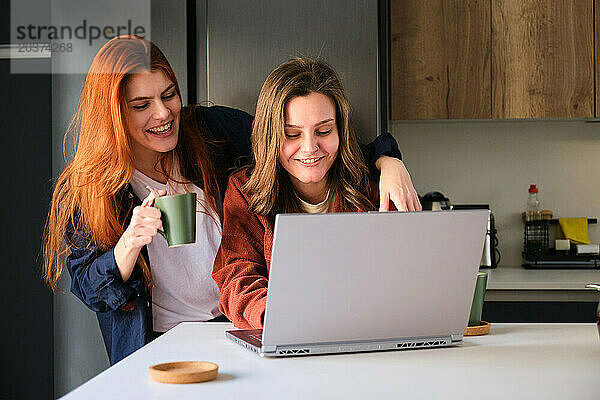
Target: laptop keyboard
[(257, 336)]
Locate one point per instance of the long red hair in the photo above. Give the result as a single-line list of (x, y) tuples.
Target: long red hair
[(85, 195)]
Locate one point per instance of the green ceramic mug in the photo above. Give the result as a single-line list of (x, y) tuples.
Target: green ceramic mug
[(478, 299), (178, 215)]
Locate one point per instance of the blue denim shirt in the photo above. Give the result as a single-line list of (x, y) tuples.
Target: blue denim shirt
[(95, 277)]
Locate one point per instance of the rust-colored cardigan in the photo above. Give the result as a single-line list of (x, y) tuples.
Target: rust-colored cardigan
[(243, 262)]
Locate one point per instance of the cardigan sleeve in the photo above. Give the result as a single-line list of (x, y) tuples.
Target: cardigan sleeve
[(95, 277), (240, 268), (383, 145), (228, 125)]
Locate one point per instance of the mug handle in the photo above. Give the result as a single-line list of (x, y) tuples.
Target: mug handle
[(155, 192), (163, 234)]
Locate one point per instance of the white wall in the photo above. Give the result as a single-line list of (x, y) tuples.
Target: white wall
[(495, 161)]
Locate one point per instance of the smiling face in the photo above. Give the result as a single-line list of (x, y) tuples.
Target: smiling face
[(310, 144), (152, 115)]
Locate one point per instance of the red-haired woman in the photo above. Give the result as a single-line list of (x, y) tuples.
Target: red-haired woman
[(133, 133)]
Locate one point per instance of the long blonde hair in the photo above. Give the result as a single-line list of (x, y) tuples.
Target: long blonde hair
[(269, 187), (85, 195)]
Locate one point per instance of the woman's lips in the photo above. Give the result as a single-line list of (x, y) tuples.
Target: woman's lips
[(162, 130), (310, 162)]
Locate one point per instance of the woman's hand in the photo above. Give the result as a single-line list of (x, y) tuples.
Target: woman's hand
[(144, 225), (395, 185)]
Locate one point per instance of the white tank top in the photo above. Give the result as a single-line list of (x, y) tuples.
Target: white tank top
[(183, 286)]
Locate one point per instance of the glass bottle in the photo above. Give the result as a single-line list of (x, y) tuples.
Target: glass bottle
[(534, 229), (533, 205)]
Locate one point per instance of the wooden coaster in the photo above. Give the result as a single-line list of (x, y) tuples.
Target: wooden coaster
[(479, 330), (184, 372)]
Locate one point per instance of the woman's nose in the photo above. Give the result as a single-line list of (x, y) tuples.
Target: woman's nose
[(309, 144), (160, 111)]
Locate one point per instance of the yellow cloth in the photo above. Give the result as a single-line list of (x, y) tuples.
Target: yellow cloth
[(574, 229)]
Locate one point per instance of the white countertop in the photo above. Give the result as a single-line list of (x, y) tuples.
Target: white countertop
[(515, 283), (516, 361)]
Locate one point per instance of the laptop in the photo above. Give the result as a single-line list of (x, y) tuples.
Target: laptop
[(353, 282)]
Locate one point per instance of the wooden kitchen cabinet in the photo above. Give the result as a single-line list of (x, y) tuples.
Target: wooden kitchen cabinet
[(497, 59), (597, 58), (543, 59), (440, 59)]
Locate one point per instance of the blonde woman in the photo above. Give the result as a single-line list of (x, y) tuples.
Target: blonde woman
[(306, 160)]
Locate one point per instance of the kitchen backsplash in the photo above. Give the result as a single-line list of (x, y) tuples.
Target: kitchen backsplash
[(495, 162)]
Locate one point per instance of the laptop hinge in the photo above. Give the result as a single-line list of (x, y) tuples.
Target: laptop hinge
[(268, 349)]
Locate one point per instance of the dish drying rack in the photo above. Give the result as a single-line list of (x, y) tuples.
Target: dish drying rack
[(537, 253)]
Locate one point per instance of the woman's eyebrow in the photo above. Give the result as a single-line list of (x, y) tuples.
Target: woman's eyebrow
[(324, 121), (171, 86), (317, 124), (140, 98)]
